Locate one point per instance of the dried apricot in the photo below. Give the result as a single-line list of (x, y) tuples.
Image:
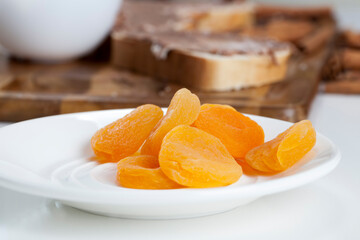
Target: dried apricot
[(143, 172), (236, 131), (125, 136), (184, 108), (210, 105), (194, 158), (248, 170), (285, 150)]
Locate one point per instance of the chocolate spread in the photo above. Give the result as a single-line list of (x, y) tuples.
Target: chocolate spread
[(161, 24), (168, 15)]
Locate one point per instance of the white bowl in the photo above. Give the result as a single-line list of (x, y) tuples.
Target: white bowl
[(55, 30), (51, 157)]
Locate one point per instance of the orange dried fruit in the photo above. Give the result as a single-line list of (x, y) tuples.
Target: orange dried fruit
[(194, 158), (256, 159), (236, 131), (285, 150), (184, 108), (248, 170), (210, 105), (143, 172), (125, 136)]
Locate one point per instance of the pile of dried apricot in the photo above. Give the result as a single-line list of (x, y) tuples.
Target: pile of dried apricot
[(195, 146)]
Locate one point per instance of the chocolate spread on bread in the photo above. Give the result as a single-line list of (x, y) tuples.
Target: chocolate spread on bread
[(225, 45), (163, 24), (169, 15)]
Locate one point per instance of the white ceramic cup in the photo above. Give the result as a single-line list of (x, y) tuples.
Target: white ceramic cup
[(55, 30)]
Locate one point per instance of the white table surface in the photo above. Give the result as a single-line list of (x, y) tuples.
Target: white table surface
[(326, 209)]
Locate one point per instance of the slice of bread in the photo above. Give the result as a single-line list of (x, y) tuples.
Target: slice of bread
[(217, 18), (198, 53), (181, 15), (220, 64)]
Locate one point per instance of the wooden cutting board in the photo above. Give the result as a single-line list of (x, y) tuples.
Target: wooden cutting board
[(30, 90)]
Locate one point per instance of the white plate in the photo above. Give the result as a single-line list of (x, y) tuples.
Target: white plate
[(52, 157)]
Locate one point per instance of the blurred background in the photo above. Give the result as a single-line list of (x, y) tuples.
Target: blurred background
[(54, 68), (347, 11)]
